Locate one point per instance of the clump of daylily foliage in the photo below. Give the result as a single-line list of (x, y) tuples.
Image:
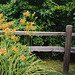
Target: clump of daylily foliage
[(16, 59)]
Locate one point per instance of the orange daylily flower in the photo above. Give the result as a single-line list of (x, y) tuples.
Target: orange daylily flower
[(23, 20), (33, 28), (0, 27), (10, 29), (22, 57), (31, 23), (13, 37), (1, 14), (2, 51), (27, 27), (13, 30), (26, 13), (1, 21), (15, 49), (4, 25), (10, 23), (7, 31)]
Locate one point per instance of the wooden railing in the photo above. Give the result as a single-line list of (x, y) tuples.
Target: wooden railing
[(68, 35)]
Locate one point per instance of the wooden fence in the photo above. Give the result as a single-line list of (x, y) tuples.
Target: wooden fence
[(68, 49)]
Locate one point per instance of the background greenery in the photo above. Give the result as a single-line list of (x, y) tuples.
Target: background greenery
[(53, 16)]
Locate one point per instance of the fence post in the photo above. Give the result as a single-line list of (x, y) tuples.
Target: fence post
[(67, 48)]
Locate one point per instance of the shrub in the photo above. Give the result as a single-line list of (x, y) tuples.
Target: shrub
[(54, 17), (13, 10)]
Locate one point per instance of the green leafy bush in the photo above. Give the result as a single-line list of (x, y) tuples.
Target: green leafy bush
[(13, 10)]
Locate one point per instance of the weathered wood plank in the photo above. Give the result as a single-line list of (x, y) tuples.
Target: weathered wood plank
[(38, 33), (67, 48), (46, 48), (49, 49), (72, 50)]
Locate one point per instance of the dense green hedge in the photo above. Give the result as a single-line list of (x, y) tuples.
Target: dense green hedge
[(52, 16)]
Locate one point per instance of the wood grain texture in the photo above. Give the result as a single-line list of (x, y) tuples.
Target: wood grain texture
[(67, 48)]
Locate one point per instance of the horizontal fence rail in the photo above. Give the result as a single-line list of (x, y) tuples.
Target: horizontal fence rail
[(34, 33), (73, 34), (49, 49)]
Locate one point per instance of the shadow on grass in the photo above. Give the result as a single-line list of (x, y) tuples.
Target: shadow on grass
[(54, 56), (70, 73)]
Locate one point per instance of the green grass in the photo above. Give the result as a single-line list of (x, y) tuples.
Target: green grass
[(55, 67), (54, 64)]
